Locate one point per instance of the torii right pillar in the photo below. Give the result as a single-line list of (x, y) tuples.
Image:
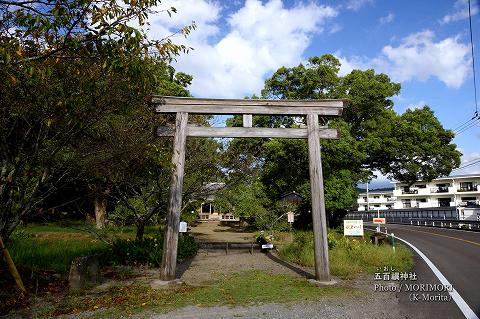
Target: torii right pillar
[(322, 268)]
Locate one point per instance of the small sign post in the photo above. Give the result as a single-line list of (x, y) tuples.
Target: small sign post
[(379, 221), (183, 227), (393, 242), (353, 227), (290, 219)]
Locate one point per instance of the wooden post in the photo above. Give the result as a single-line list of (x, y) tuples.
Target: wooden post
[(170, 242), (247, 120), (322, 268), (11, 267)]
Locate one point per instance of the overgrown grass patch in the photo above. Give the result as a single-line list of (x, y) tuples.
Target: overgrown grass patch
[(348, 257), (56, 255), (53, 246), (69, 229), (244, 288)]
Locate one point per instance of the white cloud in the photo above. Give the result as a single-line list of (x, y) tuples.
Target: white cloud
[(460, 11), (419, 57), (355, 5), (349, 64), (335, 28), (416, 106), (387, 19), (259, 38)]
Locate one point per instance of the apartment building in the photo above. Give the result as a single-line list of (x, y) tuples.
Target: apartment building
[(441, 192), (447, 191), (376, 200)]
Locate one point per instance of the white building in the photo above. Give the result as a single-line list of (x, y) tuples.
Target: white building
[(376, 200), (441, 192)]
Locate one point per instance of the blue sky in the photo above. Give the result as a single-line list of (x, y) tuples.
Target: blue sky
[(424, 45)]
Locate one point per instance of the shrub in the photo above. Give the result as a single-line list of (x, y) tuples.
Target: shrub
[(148, 251), (130, 252), (187, 247)]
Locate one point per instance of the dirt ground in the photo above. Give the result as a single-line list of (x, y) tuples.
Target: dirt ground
[(214, 231)]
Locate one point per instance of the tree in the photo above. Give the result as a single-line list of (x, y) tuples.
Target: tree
[(412, 146), (405, 147), (60, 60)]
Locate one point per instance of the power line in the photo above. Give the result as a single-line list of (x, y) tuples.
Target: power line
[(472, 160), (473, 58), (467, 127), (462, 127), (465, 166)]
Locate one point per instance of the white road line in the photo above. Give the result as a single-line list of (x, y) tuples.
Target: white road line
[(464, 308)]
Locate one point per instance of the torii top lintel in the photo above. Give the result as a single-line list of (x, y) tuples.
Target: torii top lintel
[(170, 104)]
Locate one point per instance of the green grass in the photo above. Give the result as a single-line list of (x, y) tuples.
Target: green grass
[(80, 227), (245, 288), (53, 246), (56, 254), (348, 257)]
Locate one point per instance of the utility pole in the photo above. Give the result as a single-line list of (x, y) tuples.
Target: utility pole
[(368, 205)]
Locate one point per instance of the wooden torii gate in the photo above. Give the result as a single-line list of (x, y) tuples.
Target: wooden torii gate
[(313, 132)]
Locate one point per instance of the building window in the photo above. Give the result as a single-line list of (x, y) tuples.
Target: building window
[(441, 188), (407, 190), (207, 208), (444, 202), (376, 197), (421, 186), (467, 187), (406, 203), (469, 200)]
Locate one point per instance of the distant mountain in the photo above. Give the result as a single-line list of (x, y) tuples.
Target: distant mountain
[(384, 189)]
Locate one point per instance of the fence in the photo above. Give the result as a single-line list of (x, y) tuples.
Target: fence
[(446, 217)]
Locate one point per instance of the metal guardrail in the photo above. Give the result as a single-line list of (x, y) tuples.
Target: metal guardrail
[(472, 225)]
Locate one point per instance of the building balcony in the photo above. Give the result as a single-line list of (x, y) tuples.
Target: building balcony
[(423, 191), (423, 205), (435, 190), (410, 192), (470, 188)]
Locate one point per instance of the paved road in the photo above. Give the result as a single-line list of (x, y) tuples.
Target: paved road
[(455, 253)]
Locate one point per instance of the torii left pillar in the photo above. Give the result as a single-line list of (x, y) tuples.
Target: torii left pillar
[(170, 241)]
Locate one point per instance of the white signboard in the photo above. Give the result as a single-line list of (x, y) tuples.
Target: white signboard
[(353, 227), (290, 217), (183, 227)]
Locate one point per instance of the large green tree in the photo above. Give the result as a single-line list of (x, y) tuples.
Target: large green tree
[(405, 147), (66, 66)]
